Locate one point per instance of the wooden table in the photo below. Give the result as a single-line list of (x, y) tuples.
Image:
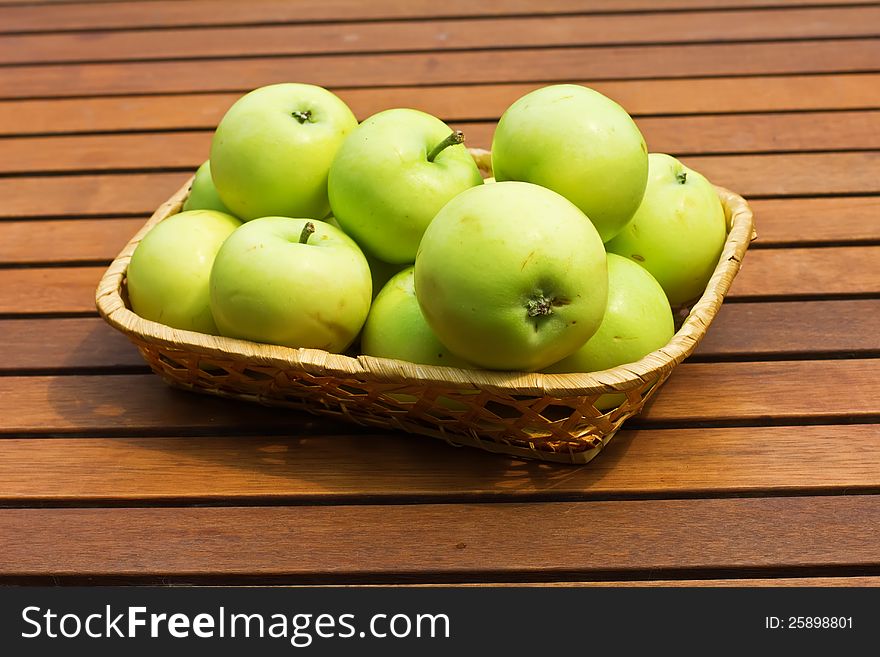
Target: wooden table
[(759, 462)]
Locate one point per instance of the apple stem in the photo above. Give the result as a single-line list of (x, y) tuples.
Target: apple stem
[(457, 137), (302, 117), (307, 231), (539, 306), (681, 177)]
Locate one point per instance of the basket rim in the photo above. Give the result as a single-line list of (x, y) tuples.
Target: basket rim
[(741, 232)]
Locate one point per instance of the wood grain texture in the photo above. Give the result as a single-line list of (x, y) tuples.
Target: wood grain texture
[(443, 540), (793, 272), (797, 174), (459, 34), (49, 290), (525, 65), (675, 135), (801, 174), (64, 240), (809, 220), (102, 195), (63, 344), (452, 103), (749, 330), (384, 468), (741, 330), (778, 391), (124, 15), (781, 390)]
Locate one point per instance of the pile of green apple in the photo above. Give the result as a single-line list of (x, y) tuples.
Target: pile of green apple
[(308, 229)]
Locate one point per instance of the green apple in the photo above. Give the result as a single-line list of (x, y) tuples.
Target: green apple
[(637, 321), (291, 282), (580, 144), (396, 328), (272, 151), (202, 193), (392, 175), (511, 276), (170, 268), (678, 232)]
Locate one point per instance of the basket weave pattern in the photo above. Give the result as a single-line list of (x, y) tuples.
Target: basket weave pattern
[(531, 415)]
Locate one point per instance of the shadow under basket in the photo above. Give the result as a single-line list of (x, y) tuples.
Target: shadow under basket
[(551, 417)]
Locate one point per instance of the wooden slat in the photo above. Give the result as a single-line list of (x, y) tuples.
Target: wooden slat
[(59, 344), (490, 539), (341, 469), (64, 240), (101, 195), (796, 174), (801, 174), (817, 219), (675, 135), (782, 272), (116, 404), (474, 102), (748, 330), (48, 290), (783, 391), (124, 15), (588, 30), (792, 272), (527, 65), (741, 330)]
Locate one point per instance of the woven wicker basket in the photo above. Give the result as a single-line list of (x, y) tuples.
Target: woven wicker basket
[(529, 415)]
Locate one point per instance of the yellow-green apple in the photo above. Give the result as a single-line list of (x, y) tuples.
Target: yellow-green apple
[(678, 231), (392, 175), (202, 194), (579, 143), (169, 271), (637, 321), (290, 282), (396, 328), (511, 276), (272, 150)]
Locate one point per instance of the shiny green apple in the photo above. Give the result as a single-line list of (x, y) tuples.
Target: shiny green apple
[(396, 328), (272, 150), (392, 175), (290, 282), (170, 268), (678, 231), (637, 321), (579, 143), (202, 194), (511, 276)]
